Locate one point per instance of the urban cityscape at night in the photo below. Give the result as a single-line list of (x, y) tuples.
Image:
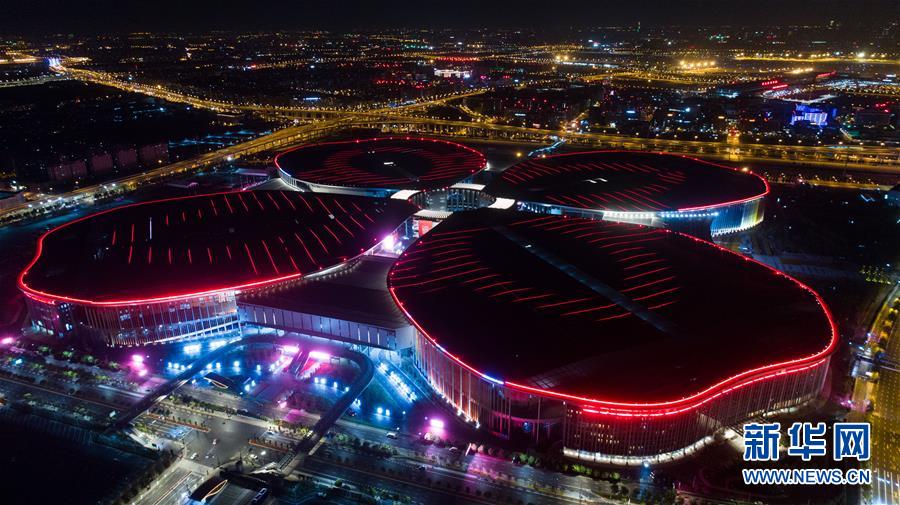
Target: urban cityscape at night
[(450, 253)]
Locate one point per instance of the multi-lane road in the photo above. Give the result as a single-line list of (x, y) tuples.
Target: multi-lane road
[(325, 122), (869, 159), (885, 418), (87, 194), (271, 111), (848, 156)]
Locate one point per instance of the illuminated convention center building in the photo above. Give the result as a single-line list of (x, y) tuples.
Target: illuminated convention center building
[(662, 190), (645, 342), (172, 269), (530, 309), (379, 166)]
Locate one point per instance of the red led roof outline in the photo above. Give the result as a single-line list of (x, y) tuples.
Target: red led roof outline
[(636, 409), (337, 168), (653, 191), (269, 264)]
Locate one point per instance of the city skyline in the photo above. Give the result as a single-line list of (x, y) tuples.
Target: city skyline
[(450, 253)]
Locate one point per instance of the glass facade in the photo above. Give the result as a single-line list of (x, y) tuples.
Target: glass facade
[(140, 324), (737, 217), (603, 437), (724, 219), (321, 326), (607, 438), (475, 397), (49, 317)]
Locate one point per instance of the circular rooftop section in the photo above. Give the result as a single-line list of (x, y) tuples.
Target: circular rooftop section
[(623, 181), (604, 312), (390, 163), (184, 247)]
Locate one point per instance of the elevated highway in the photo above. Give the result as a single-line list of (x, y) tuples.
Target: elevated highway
[(321, 123), (362, 380)]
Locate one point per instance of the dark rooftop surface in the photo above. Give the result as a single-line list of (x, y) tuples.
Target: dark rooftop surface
[(383, 163), (185, 246), (356, 293), (603, 310), (626, 182)]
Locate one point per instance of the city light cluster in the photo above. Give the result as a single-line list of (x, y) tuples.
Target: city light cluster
[(691, 65)]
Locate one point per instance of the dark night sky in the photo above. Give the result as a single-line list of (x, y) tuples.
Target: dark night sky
[(55, 16)]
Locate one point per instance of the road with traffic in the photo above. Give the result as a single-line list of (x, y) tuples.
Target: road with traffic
[(874, 159), (885, 417)]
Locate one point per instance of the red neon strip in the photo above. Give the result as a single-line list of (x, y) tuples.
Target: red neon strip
[(642, 274), (37, 294), (617, 316), (327, 210), (338, 203), (241, 199), (648, 284), (250, 256), (332, 233), (658, 293), (269, 254), (533, 297), (628, 242), (672, 407), (338, 221), (288, 200), (661, 305), (444, 278), (361, 227), (591, 309), (257, 201), (492, 285), (476, 279), (566, 302), (272, 199), (517, 169), (320, 240), (651, 262), (228, 204), (680, 410), (620, 251), (470, 167), (308, 255), (308, 206), (509, 292), (634, 256)]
